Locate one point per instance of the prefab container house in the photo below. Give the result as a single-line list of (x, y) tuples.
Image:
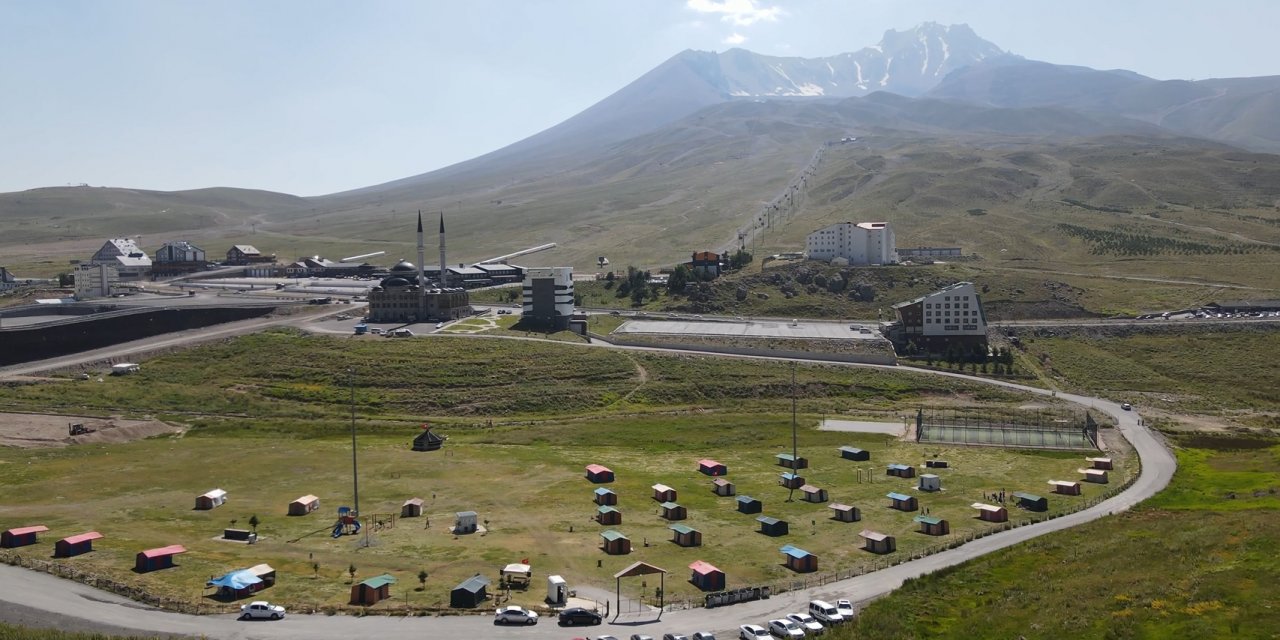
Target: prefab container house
[(685, 535), (412, 508), (844, 513), (1065, 487), (722, 487), (772, 526), (1100, 463), (712, 468), (608, 515), (706, 576), (304, 505), (791, 480), (900, 470), (469, 593), (466, 522), (991, 512), (799, 560), (930, 525), (1096, 476), (877, 542), (1031, 501), (615, 544), (210, 500), (813, 494), (791, 462), (902, 502), (854, 453), (673, 511), (747, 504), (930, 482), (21, 536), (663, 493), (75, 545), (936, 464), (605, 496), (373, 590), (159, 558), (599, 473)]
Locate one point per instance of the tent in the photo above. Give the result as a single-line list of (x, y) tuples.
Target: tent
[(215, 498), (237, 584), (469, 593)]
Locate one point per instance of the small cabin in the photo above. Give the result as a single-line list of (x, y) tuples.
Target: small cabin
[(673, 511), (855, 454), (799, 560), (603, 496), (1100, 463), (304, 505), (900, 471), (813, 494), (412, 508), (373, 590), (932, 526), (155, 559), (1031, 501), (712, 468), (469, 593), (557, 591), (1065, 487), (21, 536), (236, 535), (211, 500), (772, 526), (722, 487), (844, 513), (75, 545), (706, 576), (791, 462), (615, 544), (608, 515), (465, 522), (599, 474), (747, 504), (930, 482), (517, 574), (663, 493), (791, 480), (1096, 476), (902, 502), (991, 512), (877, 542), (685, 535), (936, 464)]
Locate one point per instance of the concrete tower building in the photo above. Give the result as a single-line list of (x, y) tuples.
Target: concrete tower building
[(548, 296)]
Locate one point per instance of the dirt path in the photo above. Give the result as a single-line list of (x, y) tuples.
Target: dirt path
[(33, 430)]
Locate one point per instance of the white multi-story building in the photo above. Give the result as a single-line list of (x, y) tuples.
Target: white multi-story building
[(131, 263), (857, 242), (96, 281), (950, 315), (548, 296)]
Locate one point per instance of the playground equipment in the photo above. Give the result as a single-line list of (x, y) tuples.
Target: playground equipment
[(348, 523)]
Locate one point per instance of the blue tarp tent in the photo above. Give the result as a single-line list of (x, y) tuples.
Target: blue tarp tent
[(237, 583)]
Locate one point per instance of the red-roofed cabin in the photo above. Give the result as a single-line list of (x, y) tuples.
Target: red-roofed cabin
[(21, 536), (75, 545), (161, 558), (599, 473), (712, 468), (706, 576)]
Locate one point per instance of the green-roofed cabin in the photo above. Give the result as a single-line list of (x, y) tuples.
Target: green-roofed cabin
[(608, 515), (747, 504), (1031, 502), (932, 526), (791, 480), (373, 590), (615, 544), (772, 526), (791, 462), (685, 535), (673, 511), (854, 453), (900, 471)]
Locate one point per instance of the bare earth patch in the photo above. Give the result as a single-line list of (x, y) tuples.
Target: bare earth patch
[(34, 430)]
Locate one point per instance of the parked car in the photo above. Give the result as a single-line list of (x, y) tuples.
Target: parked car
[(752, 632), (825, 612), (261, 610), (513, 614), (1126, 406), (845, 608), (674, 636), (578, 615), (640, 636), (784, 628), (704, 635), (806, 622)]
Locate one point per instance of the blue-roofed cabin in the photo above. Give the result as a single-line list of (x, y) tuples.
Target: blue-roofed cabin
[(902, 502), (799, 560)]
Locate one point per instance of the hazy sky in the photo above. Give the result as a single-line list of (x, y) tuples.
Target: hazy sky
[(312, 97)]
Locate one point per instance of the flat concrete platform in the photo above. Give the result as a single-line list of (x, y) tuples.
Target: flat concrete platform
[(752, 329), (859, 426)]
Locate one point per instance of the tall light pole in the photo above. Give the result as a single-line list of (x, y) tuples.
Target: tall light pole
[(355, 477)]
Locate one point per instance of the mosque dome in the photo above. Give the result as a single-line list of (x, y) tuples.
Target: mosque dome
[(404, 266), (394, 281)]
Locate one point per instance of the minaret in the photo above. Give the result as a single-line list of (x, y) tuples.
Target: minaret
[(444, 266), (422, 269)]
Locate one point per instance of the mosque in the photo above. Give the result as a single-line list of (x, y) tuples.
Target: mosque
[(406, 295)]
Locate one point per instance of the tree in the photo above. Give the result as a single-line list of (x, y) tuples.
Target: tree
[(315, 569), (637, 296), (66, 279), (679, 278), (422, 580), (254, 522), (351, 571)]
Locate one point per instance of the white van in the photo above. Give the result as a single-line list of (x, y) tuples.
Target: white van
[(826, 613)]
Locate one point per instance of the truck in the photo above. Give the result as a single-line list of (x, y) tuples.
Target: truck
[(362, 329)]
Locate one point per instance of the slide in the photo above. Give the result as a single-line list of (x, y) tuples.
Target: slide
[(337, 530)]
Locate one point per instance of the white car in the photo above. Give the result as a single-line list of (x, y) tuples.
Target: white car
[(845, 608), (515, 615), (752, 632), (261, 610), (807, 623), (784, 628)]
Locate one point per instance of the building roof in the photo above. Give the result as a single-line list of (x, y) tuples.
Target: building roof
[(1107, 460), (682, 529), (517, 567), (899, 466), (795, 552), (928, 519), (1064, 483), (670, 505), (768, 521), (900, 497), (82, 537), (850, 449), (808, 488), (928, 475), (474, 584), (261, 569), (417, 502), (720, 482), (466, 514), (839, 506), (215, 494), (662, 488), (246, 249), (611, 535), (785, 456), (607, 509), (598, 468), (701, 567), (708, 462), (22, 531), (791, 476), (951, 287), (1246, 304), (1022, 495), (874, 535), (603, 491), (747, 499), (307, 499), (164, 551), (986, 507), (639, 569), (1092, 472), (379, 581)]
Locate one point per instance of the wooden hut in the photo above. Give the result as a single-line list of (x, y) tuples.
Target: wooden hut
[(685, 535), (1031, 501), (991, 512), (772, 526), (936, 464), (791, 480), (712, 468), (854, 453), (265, 572), (75, 545), (877, 542), (599, 473), (608, 515), (1065, 487), (469, 593), (813, 494), (412, 508), (466, 522), (932, 526), (1100, 463), (902, 501), (706, 576), (615, 544), (663, 493), (304, 505), (21, 536), (213, 499), (605, 496), (159, 558), (747, 504), (799, 560), (673, 511), (373, 590), (900, 471), (791, 462), (1096, 476), (722, 487), (844, 512), (930, 482)]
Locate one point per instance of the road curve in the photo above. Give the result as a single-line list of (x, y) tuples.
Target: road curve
[(67, 599)]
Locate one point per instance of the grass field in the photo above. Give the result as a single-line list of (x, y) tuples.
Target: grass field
[(1190, 563)]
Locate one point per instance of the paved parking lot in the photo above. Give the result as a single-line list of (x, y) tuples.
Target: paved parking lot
[(751, 329)]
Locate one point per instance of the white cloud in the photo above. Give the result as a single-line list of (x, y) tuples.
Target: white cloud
[(740, 13), (736, 38)]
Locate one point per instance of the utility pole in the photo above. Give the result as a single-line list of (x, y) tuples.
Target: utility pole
[(791, 489), (355, 477)]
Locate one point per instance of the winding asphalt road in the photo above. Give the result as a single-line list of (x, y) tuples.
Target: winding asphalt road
[(32, 591)]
